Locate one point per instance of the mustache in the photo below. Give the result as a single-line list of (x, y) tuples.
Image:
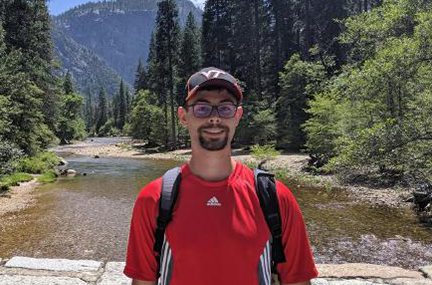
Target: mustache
[(213, 126)]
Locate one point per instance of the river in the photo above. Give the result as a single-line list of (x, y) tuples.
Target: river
[(88, 217)]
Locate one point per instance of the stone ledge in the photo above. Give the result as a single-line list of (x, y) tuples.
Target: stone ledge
[(31, 280), (53, 264), (408, 281), (86, 276), (113, 275), (365, 271), (427, 270), (321, 281)]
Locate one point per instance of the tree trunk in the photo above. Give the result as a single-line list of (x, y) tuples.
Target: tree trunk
[(309, 40), (166, 124), (170, 84), (257, 50)]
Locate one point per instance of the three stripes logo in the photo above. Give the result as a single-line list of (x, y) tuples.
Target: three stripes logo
[(213, 202)]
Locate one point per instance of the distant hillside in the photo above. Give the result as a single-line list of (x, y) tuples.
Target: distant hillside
[(118, 31), (88, 69)]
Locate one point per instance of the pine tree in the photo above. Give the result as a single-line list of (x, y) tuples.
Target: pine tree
[(216, 30), (115, 109), (122, 106), (167, 42), (2, 43), (89, 112), (70, 126), (190, 58), (68, 85), (102, 113), (128, 105), (27, 26), (154, 82), (249, 43), (21, 100), (140, 77), (320, 31)]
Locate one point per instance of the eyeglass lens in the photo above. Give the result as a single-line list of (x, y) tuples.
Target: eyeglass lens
[(225, 111)]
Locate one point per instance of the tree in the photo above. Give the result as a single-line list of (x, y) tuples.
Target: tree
[(190, 58), (140, 77), (102, 110), (146, 118), (89, 113), (68, 85), (21, 100), (122, 106), (381, 104), (216, 31), (250, 28), (27, 26), (70, 126), (298, 82), (166, 46)]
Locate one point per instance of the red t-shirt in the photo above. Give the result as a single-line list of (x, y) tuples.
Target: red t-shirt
[(218, 234)]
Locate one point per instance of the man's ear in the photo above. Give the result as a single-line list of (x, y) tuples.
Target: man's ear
[(182, 116), (238, 115)]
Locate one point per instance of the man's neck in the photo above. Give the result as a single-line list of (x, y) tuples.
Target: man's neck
[(212, 165)]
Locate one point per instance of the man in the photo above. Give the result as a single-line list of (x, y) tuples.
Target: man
[(218, 234)]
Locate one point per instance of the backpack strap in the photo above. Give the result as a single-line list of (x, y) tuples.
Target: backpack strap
[(266, 189), (169, 192)]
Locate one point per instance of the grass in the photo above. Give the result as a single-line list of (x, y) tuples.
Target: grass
[(48, 177), (8, 181), (40, 163), (264, 152)]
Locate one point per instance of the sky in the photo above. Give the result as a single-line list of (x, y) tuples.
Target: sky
[(57, 7)]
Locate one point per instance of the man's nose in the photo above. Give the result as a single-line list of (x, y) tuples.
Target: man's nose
[(214, 117)]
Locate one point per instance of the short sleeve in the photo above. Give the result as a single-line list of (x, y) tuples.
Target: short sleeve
[(141, 260), (299, 265)]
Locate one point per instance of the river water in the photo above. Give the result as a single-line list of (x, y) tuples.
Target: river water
[(87, 217)]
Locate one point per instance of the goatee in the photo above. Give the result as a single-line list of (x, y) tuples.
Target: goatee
[(213, 144)]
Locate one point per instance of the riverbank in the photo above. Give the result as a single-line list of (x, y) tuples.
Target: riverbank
[(26, 271), (18, 198), (290, 166)]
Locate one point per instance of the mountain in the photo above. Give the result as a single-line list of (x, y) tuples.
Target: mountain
[(87, 68), (117, 31)]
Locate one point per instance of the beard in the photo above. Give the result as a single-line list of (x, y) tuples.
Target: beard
[(213, 144)]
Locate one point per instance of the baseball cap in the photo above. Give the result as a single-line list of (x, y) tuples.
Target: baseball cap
[(212, 76)]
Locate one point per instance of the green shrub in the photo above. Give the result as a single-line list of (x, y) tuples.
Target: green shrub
[(9, 157), (48, 177), (13, 180), (265, 152), (40, 163)]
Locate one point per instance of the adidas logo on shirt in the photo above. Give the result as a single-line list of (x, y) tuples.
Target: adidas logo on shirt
[(213, 202)]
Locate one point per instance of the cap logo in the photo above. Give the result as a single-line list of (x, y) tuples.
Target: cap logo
[(212, 73)]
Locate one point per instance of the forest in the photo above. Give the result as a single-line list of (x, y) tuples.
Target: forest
[(346, 81)]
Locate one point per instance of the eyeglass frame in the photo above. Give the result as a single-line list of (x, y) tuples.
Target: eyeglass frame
[(214, 107)]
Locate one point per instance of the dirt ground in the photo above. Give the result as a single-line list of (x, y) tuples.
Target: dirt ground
[(18, 197)]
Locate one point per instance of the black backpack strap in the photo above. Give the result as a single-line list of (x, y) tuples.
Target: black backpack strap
[(169, 192), (266, 189)]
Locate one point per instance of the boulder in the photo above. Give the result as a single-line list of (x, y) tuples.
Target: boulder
[(71, 172), (62, 161), (68, 172)]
